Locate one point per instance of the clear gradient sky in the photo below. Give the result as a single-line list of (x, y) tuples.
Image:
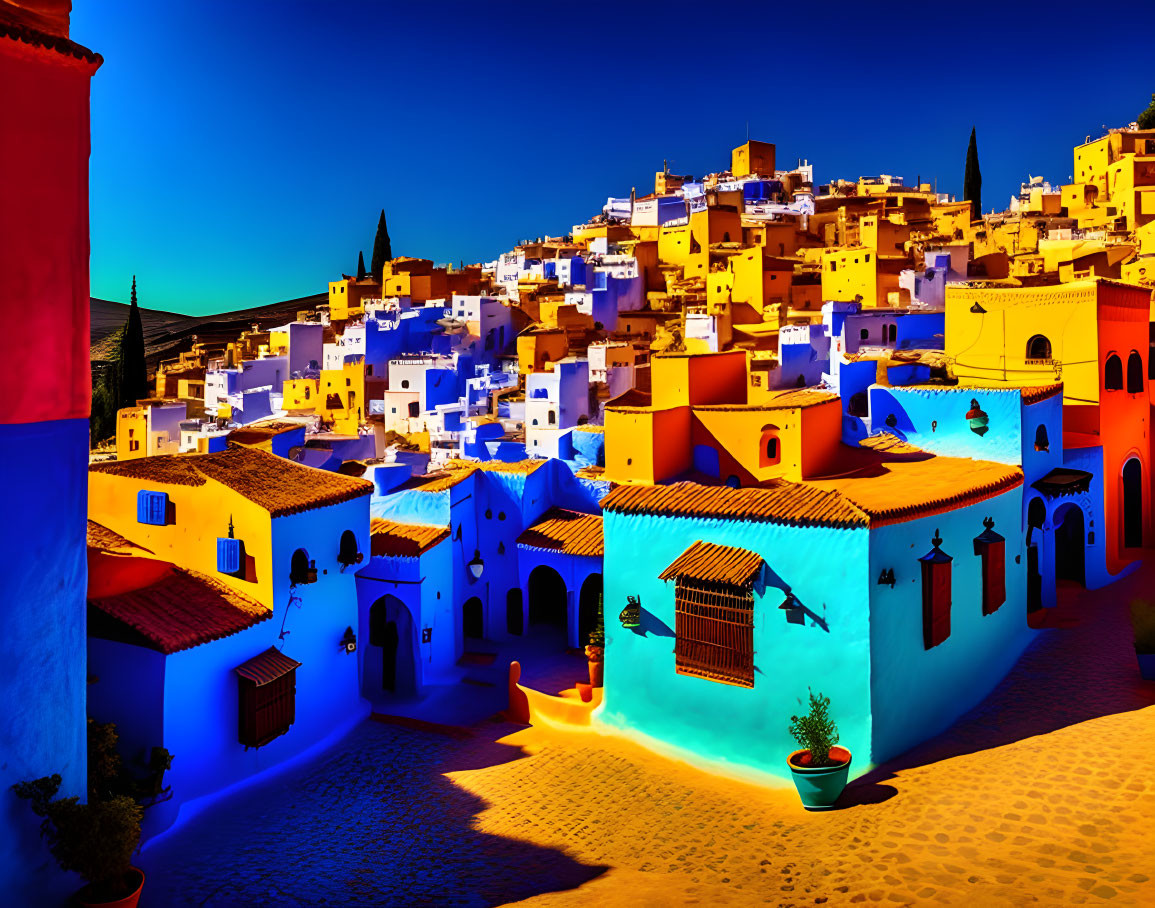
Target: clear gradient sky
[(242, 149)]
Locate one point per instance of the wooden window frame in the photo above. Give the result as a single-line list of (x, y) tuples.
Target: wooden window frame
[(266, 711), (714, 630), (992, 549)]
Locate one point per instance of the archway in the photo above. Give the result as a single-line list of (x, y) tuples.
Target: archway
[(390, 662), (473, 619), (588, 601), (1132, 504), (1069, 544), (1036, 515), (514, 614), (547, 598)]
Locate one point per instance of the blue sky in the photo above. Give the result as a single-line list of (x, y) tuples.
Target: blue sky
[(242, 150)]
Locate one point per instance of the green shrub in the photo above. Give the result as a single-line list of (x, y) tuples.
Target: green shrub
[(816, 731), (96, 840), (1143, 626)]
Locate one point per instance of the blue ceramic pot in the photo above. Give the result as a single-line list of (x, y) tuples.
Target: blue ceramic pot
[(819, 786)]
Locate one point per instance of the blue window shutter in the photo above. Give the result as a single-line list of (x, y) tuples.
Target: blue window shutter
[(228, 555), (151, 507)]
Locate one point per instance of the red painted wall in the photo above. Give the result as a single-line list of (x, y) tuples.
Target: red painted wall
[(44, 145)]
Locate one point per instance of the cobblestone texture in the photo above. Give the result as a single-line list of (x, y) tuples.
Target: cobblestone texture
[(1043, 796)]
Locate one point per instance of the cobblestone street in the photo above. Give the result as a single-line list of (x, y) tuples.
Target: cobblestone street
[(1042, 796)]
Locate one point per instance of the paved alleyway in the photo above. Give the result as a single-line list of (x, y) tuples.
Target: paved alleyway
[(1045, 795)]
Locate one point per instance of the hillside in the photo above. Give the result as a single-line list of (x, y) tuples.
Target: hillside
[(168, 333)]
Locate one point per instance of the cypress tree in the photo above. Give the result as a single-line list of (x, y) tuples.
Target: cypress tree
[(133, 372), (360, 266), (382, 248), (973, 179), (1146, 120)]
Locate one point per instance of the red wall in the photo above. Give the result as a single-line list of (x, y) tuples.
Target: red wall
[(44, 145)]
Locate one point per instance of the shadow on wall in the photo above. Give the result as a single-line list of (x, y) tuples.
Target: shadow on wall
[(1082, 669), (373, 822)]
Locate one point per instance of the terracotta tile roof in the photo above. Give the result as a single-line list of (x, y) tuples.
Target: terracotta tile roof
[(793, 504), (894, 491), (102, 538), (1031, 394), (278, 485), (715, 564), (882, 492), (795, 398), (267, 667), (391, 539), (36, 38), (254, 435), (886, 443), (181, 610), (562, 530)]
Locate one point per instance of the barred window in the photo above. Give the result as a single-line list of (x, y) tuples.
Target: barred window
[(267, 710), (714, 623)]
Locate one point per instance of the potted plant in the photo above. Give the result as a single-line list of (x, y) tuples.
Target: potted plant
[(595, 650), (820, 769), (97, 839), (1143, 627)]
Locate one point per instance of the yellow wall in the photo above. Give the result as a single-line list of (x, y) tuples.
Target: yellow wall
[(301, 394), (753, 157), (992, 347), (348, 386), (131, 433), (849, 272), (201, 515)]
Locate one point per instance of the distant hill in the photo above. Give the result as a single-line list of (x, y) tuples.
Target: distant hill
[(167, 334)]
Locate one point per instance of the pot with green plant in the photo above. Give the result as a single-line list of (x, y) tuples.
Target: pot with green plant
[(96, 840), (820, 769), (596, 648), (1143, 628)]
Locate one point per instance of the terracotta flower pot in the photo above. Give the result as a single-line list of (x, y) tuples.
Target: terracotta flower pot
[(135, 877), (597, 664), (819, 786)]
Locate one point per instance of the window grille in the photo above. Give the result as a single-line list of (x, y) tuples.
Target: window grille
[(267, 710), (714, 623)]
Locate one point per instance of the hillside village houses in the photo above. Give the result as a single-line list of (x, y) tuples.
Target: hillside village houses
[(799, 429)]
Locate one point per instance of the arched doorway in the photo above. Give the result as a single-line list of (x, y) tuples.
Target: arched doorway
[(588, 601), (514, 613), (390, 662), (1132, 504), (1036, 515), (473, 619), (547, 598), (1069, 544)]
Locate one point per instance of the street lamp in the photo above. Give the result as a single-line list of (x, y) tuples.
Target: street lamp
[(476, 565)]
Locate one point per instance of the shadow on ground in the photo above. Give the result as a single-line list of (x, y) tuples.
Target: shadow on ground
[(374, 822), (1081, 666)]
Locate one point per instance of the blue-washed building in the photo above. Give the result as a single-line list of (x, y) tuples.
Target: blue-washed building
[(893, 589)]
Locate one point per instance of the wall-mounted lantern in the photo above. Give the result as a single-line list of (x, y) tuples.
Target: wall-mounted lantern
[(790, 604), (886, 578), (476, 565), (631, 615), (349, 641), (976, 419)]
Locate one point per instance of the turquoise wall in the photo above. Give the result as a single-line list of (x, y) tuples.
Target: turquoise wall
[(935, 419), (743, 727), (915, 692)]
